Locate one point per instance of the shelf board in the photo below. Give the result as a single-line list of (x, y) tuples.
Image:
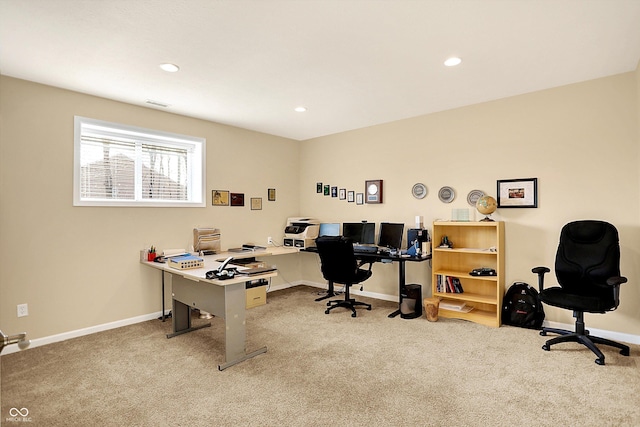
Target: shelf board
[(467, 296), (479, 316), (461, 275), (466, 250)]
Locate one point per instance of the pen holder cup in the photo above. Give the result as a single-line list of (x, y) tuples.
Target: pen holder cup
[(151, 256)]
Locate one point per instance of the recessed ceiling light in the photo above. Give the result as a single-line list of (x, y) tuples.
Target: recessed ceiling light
[(452, 62), (300, 109), (169, 68)]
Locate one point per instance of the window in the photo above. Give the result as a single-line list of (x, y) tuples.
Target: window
[(118, 165)]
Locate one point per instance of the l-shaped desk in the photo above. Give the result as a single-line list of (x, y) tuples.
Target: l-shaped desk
[(222, 298), (227, 298)]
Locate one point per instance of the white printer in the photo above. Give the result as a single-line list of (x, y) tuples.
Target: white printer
[(301, 232)]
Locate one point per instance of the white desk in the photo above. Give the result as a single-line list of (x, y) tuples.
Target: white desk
[(222, 298)]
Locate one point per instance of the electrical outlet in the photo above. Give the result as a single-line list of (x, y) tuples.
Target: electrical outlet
[(269, 240), (23, 310)]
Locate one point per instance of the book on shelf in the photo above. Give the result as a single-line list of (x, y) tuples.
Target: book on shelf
[(460, 306), (449, 284)]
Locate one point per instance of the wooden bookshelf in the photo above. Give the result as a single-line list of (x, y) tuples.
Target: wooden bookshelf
[(475, 245)]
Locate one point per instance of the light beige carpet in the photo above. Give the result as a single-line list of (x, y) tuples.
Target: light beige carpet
[(322, 370)]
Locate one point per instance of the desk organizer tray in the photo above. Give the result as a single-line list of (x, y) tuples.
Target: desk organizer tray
[(186, 262)]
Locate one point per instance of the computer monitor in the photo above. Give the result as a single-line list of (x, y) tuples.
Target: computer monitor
[(329, 229), (360, 232), (390, 235), (368, 233)]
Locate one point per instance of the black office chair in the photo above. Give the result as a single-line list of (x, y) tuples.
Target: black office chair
[(339, 265), (588, 272)]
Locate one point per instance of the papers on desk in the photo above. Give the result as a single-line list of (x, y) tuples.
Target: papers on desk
[(256, 270), (167, 253)]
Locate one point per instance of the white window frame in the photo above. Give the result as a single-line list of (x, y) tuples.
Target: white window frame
[(196, 168)]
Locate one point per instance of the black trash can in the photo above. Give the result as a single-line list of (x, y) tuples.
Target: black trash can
[(411, 301)]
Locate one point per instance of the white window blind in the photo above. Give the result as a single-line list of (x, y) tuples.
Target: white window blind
[(118, 165)]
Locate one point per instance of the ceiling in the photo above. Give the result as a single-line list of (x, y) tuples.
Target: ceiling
[(351, 63)]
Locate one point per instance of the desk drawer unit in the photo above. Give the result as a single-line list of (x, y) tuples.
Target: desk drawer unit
[(256, 296)]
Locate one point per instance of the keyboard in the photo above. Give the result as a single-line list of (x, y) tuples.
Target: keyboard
[(365, 249)]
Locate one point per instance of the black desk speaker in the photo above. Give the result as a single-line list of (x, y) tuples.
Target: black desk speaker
[(411, 301)]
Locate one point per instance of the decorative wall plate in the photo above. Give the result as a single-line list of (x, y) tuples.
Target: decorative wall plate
[(419, 191), (446, 194), (473, 197)]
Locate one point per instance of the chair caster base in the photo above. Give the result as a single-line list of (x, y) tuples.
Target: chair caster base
[(624, 352), (543, 333), (326, 312), (353, 315), (600, 361), (546, 348)]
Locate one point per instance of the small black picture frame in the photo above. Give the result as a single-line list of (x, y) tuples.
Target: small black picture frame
[(518, 193)]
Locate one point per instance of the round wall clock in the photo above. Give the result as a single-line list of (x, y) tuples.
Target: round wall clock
[(419, 191), (446, 194)]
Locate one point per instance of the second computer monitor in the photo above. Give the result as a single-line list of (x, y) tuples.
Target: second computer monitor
[(360, 232), (390, 235)]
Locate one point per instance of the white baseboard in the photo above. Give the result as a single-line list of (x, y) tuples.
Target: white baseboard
[(85, 331), (616, 336), (612, 335)]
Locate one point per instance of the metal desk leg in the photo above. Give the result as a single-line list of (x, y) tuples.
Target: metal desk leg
[(182, 320), (401, 283), (235, 327)]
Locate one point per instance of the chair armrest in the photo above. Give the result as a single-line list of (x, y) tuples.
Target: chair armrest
[(615, 283), (616, 280), (540, 271), (361, 263)]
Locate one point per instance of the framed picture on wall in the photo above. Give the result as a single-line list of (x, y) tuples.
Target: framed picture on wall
[(518, 193), (360, 199), (219, 198), (350, 196), (237, 199), (343, 194), (256, 203), (271, 194)]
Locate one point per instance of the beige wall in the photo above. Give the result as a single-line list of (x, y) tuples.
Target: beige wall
[(580, 141), (77, 267)]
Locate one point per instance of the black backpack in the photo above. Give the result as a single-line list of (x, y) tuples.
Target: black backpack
[(522, 307)]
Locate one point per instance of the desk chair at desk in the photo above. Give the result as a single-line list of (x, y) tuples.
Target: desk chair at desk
[(339, 264)]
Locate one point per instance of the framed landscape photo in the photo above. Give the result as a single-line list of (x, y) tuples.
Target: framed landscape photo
[(518, 193)]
